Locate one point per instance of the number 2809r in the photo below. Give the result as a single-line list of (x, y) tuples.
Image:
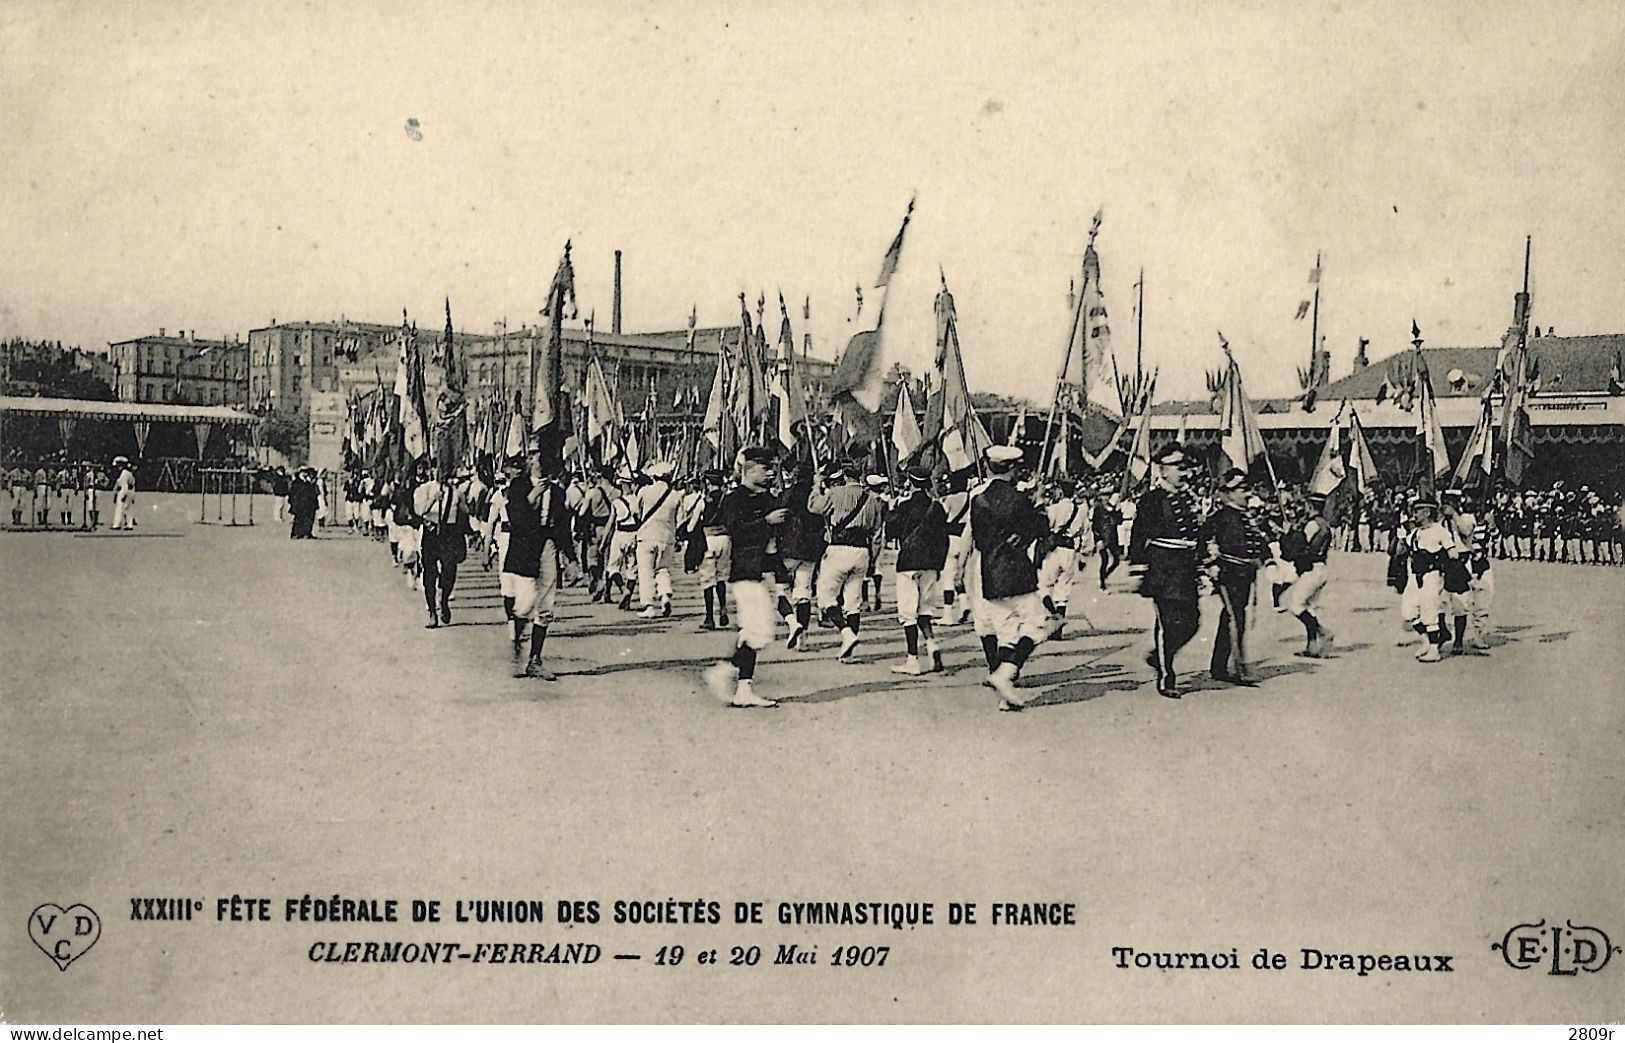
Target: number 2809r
[(1587, 1034)]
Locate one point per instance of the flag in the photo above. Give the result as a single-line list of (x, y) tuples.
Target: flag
[(1240, 438), (1478, 458), (1018, 426), (1362, 465), (1091, 323), (561, 304), (749, 386), (634, 452), (601, 407), (860, 375), (1329, 470), (1517, 436), (414, 411), (448, 356), (1433, 458), (1303, 311), (1139, 452), (905, 431), (716, 404), (951, 424), (888, 266)]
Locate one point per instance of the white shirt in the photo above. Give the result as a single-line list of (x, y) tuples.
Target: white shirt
[(656, 505)]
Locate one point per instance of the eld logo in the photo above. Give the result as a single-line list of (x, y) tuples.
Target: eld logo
[(1568, 949), (64, 934)]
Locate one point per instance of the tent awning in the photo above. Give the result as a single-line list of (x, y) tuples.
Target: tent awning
[(151, 412)]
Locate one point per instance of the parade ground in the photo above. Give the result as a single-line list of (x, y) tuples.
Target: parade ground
[(202, 711)]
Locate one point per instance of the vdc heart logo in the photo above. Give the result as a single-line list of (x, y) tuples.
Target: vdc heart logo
[(64, 934)]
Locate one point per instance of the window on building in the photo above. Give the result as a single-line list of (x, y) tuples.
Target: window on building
[(296, 360)]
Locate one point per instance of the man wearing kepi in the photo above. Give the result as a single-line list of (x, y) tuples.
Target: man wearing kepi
[(920, 526), (1004, 523), (853, 513), (1237, 548), (749, 514), (1162, 545)]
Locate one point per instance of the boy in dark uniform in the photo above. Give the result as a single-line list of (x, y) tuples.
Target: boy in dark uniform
[(1162, 545), (1004, 523), (1238, 546), (920, 526), (750, 514)]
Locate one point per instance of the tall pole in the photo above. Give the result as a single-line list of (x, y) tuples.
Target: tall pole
[(1060, 380), (1314, 330), (1139, 331)]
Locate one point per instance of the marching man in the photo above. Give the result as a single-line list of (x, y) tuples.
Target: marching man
[(1238, 547), (749, 514), (539, 536), (1004, 524), (920, 526), (655, 510), (1163, 546), (1302, 597), (1068, 522), (1423, 603), (956, 505), (853, 514)]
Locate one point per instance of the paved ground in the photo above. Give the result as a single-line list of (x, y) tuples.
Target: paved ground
[(200, 711)]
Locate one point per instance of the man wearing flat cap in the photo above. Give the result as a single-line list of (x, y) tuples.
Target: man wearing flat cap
[(1163, 546), (1236, 548), (655, 508), (750, 514), (1310, 546), (852, 513), (920, 526), (1423, 604), (801, 546), (1004, 524)]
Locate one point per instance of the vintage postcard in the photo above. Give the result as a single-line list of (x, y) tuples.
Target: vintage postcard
[(812, 513)]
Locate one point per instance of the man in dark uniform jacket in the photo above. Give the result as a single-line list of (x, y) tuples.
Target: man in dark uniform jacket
[(1237, 547), (1163, 545), (801, 546), (1004, 523), (751, 514), (538, 534), (920, 526)]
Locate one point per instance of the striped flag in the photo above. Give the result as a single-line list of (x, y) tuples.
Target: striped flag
[(859, 378), (1240, 438), (905, 430)]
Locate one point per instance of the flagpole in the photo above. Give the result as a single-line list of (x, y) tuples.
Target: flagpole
[(1314, 330), (1139, 332), (1066, 362)]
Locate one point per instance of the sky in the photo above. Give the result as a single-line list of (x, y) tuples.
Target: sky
[(215, 166)]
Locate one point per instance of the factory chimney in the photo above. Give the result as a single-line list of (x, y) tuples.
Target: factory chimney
[(615, 315)]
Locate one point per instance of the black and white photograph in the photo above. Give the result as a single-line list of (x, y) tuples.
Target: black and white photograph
[(810, 513)]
